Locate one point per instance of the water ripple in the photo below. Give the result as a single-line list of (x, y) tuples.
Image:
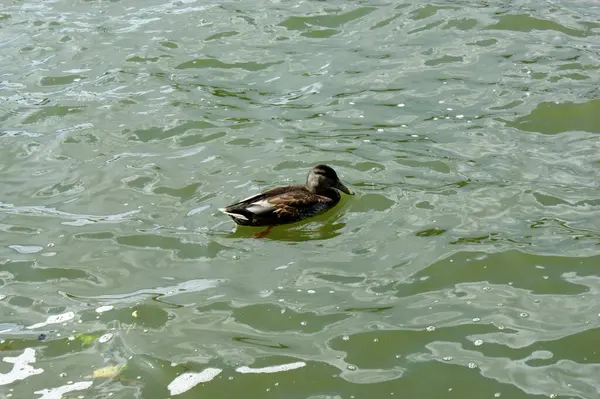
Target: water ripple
[(465, 265)]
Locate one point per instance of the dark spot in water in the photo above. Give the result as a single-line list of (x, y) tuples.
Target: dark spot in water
[(430, 232)]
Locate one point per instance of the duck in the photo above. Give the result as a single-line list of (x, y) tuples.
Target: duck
[(290, 204)]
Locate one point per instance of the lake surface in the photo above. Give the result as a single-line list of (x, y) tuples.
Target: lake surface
[(467, 265)]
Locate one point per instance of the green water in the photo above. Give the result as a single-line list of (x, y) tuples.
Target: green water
[(465, 267)]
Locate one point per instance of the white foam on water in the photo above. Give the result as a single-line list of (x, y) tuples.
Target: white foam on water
[(21, 368), (57, 393), (103, 309), (77, 70), (54, 319), (186, 381), (198, 209), (105, 338), (186, 286), (271, 369), (52, 212), (26, 249)]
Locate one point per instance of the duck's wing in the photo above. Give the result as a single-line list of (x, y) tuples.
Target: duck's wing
[(281, 203), (290, 205), (266, 194), (261, 197)]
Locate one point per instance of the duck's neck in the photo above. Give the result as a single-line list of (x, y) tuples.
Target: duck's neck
[(328, 192)]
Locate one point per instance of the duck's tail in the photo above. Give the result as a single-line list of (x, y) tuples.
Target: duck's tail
[(239, 218)]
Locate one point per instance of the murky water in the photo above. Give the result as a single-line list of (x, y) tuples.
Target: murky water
[(466, 266)]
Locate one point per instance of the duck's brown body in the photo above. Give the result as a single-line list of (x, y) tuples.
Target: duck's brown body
[(289, 204)]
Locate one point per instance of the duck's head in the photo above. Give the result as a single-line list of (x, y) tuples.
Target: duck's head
[(322, 177)]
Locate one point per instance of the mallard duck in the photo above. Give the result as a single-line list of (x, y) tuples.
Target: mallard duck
[(289, 204)]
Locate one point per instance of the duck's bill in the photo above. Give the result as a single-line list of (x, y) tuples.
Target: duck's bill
[(344, 189)]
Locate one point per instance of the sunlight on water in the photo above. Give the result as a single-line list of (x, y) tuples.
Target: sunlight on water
[(21, 368), (187, 381), (54, 319), (270, 369)]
